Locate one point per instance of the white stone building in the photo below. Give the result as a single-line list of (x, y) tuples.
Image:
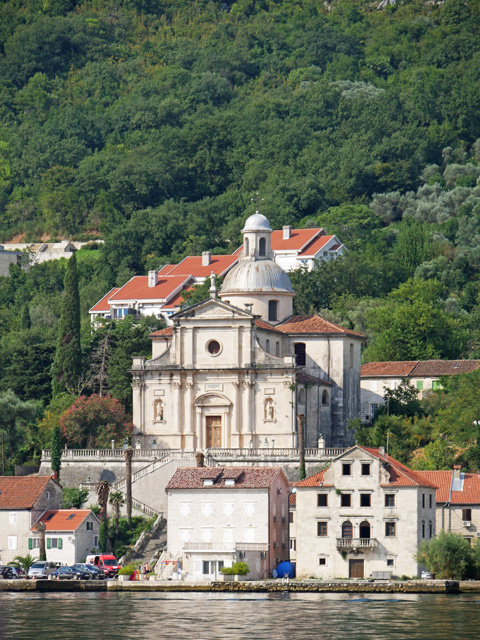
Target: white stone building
[(458, 501), (376, 377), (23, 499), (304, 248), (70, 535), (365, 515), (237, 372), (219, 516)]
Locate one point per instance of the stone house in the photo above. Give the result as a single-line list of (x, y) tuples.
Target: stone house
[(364, 515), (424, 375), (458, 501), (218, 516), (23, 499), (70, 535), (238, 370)]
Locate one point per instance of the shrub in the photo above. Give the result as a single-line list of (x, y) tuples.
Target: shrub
[(237, 569)]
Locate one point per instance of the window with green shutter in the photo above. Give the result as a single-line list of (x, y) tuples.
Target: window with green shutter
[(419, 385), (49, 543), (30, 543), (60, 543)]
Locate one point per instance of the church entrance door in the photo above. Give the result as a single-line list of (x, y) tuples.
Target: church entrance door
[(214, 431)]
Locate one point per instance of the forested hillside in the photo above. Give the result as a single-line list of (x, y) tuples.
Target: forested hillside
[(152, 124)]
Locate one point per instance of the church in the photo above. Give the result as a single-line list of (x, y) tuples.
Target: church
[(240, 371)]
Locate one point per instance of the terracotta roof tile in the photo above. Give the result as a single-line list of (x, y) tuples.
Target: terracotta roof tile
[(268, 327), (443, 479), (63, 519), (398, 369), (292, 498), (315, 481), (400, 474), (21, 492), (250, 478), (314, 325), (103, 305), (299, 239), (433, 368), (137, 288), (314, 247), (178, 299), (192, 265), (165, 270), (163, 333), (306, 377)]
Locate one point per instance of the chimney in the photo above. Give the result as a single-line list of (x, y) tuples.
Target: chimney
[(381, 451), (248, 307), (200, 458), (152, 278), (287, 232), (457, 472), (206, 258)]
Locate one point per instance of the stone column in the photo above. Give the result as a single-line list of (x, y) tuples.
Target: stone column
[(199, 427), (235, 424), (177, 412), (248, 427), (189, 435)]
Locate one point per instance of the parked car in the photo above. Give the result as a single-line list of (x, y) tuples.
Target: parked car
[(6, 573), (38, 570), (17, 572), (95, 572), (69, 573), (80, 567)]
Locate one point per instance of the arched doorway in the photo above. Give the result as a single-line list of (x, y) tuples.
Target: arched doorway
[(212, 424)]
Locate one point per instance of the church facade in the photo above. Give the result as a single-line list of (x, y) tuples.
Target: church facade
[(238, 370)]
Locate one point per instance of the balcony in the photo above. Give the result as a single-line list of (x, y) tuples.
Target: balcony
[(360, 544)]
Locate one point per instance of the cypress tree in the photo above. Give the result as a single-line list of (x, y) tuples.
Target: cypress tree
[(25, 320), (66, 366), (56, 452)]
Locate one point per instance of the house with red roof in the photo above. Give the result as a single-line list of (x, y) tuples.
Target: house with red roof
[(239, 370), (221, 515), (363, 516), (424, 375), (23, 500), (297, 248), (458, 501), (70, 535)]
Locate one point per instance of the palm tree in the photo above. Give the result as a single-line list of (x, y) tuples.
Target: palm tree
[(117, 501), (41, 528), (25, 562)]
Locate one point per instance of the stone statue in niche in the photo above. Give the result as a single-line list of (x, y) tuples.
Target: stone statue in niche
[(269, 409), (159, 410)]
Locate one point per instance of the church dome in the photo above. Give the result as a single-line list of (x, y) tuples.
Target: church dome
[(264, 276), (257, 222)]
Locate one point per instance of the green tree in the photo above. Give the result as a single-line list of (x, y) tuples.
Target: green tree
[(67, 364), (56, 452), (449, 556), (73, 498), (117, 501)]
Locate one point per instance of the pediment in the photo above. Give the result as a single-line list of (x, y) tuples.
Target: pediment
[(212, 308)]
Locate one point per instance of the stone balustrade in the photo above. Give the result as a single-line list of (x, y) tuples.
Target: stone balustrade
[(356, 543)]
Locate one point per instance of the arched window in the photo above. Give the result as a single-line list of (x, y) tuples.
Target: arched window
[(300, 354), (347, 530), (277, 349), (272, 310), (365, 529), (247, 247), (351, 356), (267, 346), (301, 396), (262, 247), (325, 398)]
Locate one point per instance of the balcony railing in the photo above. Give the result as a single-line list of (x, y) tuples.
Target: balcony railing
[(225, 546), (356, 543)]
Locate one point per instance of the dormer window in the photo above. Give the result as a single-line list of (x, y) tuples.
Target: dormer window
[(208, 482), (229, 482)]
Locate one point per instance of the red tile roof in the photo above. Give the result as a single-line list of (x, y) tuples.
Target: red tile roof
[(165, 270), (21, 492), (292, 498), (419, 368), (306, 377), (433, 368), (249, 477), (315, 481), (177, 299), (299, 239), (103, 305), (192, 265), (137, 288), (268, 327), (382, 369), (400, 475), (315, 246), (63, 519), (443, 479), (313, 325), (163, 333)]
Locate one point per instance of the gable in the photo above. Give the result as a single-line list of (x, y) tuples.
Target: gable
[(212, 308)]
